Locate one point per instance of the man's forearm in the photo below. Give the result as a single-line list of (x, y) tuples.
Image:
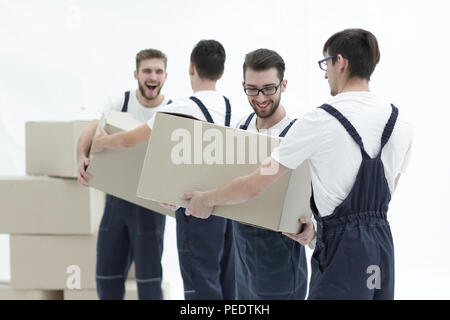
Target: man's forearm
[(239, 190), (85, 140), (236, 191), (242, 189), (125, 139)]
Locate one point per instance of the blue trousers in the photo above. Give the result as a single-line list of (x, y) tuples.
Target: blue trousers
[(206, 255), (269, 265), (129, 233)]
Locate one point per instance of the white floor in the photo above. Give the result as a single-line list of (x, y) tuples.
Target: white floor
[(412, 282)]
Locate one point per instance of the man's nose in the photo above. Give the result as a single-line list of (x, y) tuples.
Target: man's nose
[(260, 97), (152, 76)]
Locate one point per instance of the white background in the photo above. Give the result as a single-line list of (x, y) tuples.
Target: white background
[(60, 58)]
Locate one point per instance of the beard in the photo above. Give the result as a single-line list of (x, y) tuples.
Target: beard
[(269, 112), (142, 90)]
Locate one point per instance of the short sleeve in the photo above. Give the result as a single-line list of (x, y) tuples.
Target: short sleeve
[(407, 159), (301, 140)]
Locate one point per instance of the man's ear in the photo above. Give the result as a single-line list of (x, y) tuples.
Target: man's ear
[(191, 69), (135, 75), (284, 85), (342, 63)]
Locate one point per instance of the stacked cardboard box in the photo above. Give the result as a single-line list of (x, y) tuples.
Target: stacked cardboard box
[(8, 293), (51, 219)]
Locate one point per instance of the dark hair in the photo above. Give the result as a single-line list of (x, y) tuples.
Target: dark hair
[(150, 54), (359, 46), (208, 57), (263, 59)]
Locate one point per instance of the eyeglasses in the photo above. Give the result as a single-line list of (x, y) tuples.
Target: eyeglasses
[(323, 63), (267, 91)]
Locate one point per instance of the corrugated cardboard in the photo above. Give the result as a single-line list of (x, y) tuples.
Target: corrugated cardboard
[(117, 172), (277, 208), (131, 292), (44, 205), (43, 261), (8, 293), (51, 147)]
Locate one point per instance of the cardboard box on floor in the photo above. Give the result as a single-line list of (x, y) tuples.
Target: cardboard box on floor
[(179, 159), (45, 205), (8, 293), (52, 261), (51, 147), (117, 172)]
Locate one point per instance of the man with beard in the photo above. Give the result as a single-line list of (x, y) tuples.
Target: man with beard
[(127, 231), (205, 247), (269, 265), (357, 145)]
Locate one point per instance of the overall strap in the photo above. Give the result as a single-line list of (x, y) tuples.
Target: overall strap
[(283, 133), (203, 108), (247, 122), (228, 112), (347, 125), (387, 132), (125, 102)]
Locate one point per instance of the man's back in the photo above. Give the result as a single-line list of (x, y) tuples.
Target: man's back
[(214, 103), (334, 156)]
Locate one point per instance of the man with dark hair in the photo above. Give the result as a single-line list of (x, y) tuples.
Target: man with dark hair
[(269, 265), (352, 181), (205, 247), (129, 232), (209, 58)]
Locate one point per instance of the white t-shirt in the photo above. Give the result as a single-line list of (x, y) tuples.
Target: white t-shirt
[(139, 112), (334, 156), (213, 101), (272, 131)]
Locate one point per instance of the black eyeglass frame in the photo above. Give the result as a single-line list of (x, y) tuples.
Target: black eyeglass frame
[(324, 60), (262, 90)]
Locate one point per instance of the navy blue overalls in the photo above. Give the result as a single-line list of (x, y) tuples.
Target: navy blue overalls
[(354, 255), (205, 247), (129, 233), (269, 265)]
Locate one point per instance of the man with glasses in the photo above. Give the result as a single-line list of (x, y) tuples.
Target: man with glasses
[(357, 147), (269, 265)]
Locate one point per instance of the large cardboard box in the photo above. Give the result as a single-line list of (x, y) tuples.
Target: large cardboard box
[(185, 155), (53, 261), (8, 293), (117, 172), (51, 147), (45, 205)]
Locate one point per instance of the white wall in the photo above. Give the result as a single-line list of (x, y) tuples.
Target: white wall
[(60, 58)]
